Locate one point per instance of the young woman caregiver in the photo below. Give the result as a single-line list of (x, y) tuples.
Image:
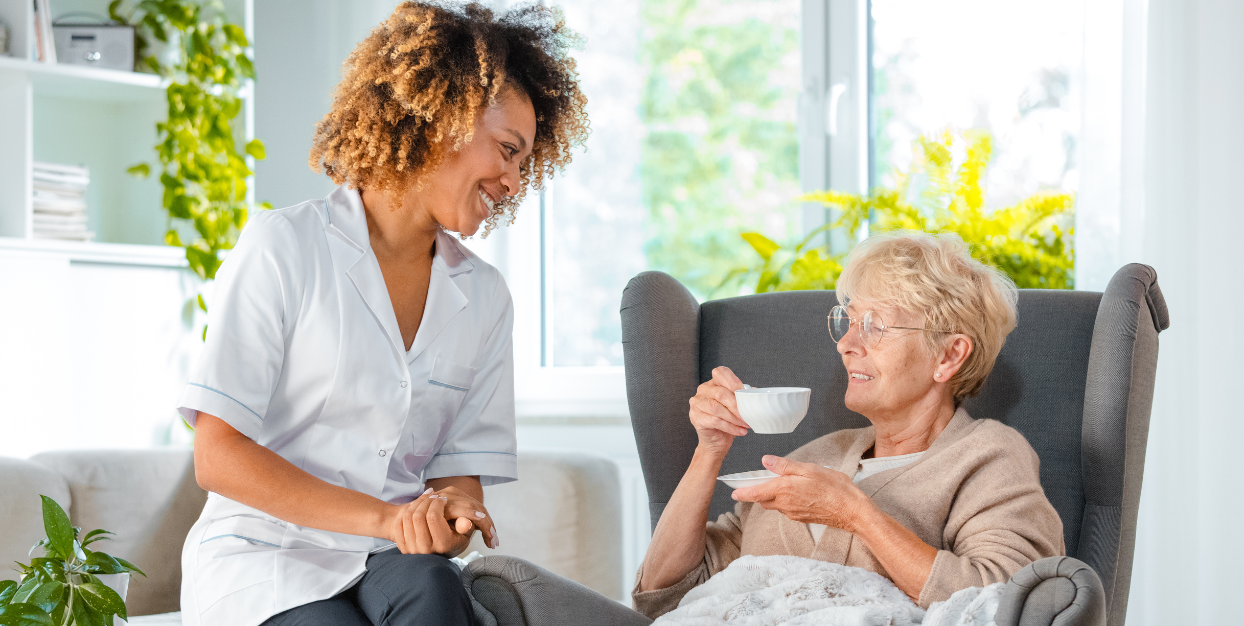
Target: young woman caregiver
[(356, 388)]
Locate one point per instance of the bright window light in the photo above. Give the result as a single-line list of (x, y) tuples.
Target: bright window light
[(1011, 67), (693, 141)]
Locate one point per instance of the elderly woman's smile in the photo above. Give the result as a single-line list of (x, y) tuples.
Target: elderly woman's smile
[(927, 496), (892, 368)]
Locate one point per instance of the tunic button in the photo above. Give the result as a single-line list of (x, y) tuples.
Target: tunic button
[(403, 384), (382, 453)]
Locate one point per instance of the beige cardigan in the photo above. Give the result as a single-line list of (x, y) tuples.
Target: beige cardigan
[(975, 495)]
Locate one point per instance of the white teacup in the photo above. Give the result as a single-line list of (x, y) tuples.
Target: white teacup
[(772, 410)]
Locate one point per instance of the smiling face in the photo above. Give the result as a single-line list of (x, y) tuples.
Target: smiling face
[(888, 379), (465, 187)]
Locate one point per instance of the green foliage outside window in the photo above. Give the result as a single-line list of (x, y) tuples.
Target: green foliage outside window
[(1031, 241), (202, 172), (62, 587), (721, 152)]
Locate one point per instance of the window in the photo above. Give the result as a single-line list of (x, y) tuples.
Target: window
[(1012, 68), (694, 140), (710, 116)]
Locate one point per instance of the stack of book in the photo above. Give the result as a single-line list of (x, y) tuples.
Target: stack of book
[(60, 202)]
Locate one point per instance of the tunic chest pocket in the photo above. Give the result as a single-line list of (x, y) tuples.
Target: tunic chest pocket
[(450, 375), (448, 384)]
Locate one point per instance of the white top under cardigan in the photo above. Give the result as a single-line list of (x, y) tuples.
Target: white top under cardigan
[(304, 356), (868, 467)]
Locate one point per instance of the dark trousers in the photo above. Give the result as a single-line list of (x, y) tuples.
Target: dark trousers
[(397, 590)]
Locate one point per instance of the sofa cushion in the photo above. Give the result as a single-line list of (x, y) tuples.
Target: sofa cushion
[(150, 499), (564, 513), (21, 509)]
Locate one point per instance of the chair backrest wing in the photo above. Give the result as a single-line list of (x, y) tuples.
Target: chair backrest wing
[(1115, 429)]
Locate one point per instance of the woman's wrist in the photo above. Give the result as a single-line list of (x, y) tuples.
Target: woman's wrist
[(383, 520), (868, 520), (709, 454)]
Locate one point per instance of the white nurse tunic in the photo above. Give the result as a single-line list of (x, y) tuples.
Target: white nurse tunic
[(304, 356)]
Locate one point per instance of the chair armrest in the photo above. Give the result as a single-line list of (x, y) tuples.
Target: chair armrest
[(508, 591), (1055, 591)]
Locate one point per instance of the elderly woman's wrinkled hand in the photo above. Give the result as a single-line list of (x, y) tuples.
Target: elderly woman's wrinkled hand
[(810, 494), (715, 414)]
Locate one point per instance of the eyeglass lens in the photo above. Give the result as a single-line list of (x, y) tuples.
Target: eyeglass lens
[(871, 326)]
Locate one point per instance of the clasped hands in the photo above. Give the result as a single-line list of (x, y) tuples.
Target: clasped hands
[(440, 522)]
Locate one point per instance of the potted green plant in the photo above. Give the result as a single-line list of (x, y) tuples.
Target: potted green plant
[(206, 61), (1030, 241), (63, 586)]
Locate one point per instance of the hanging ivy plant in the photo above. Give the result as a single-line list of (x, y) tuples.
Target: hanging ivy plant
[(205, 61)]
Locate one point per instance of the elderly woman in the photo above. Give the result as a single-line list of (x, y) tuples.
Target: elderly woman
[(927, 496)]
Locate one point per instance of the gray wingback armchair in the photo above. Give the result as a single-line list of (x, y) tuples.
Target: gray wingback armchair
[(1076, 378)]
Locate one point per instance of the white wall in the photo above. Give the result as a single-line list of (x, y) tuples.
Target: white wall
[(1185, 219), (299, 48), (92, 355)]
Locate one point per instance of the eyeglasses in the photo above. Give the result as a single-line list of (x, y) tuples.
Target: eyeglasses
[(871, 326)]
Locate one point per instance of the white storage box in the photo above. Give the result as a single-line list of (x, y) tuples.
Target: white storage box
[(109, 46)]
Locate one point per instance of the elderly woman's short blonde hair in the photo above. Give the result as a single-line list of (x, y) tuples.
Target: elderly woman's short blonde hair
[(935, 276)]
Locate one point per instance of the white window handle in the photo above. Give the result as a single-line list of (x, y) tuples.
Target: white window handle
[(831, 114)]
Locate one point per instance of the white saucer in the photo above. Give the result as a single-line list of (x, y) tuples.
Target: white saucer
[(747, 479)]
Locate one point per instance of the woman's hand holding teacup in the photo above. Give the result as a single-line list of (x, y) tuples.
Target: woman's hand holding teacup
[(809, 493), (440, 522), (715, 413)]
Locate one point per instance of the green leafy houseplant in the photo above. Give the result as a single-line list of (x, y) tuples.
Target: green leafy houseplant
[(63, 587), (1029, 241), (202, 172)]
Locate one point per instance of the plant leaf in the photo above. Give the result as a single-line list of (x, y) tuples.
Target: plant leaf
[(7, 589), (113, 13), (83, 614), (47, 596), (18, 614), (235, 34), (763, 246), (130, 566), (51, 569), (40, 544), (183, 206), (25, 590), (59, 530), (96, 535), (247, 68), (102, 598), (255, 148), (100, 563)]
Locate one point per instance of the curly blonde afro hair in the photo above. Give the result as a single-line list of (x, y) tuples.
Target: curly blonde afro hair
[(413, 89)]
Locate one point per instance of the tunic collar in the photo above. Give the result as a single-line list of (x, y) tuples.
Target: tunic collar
[(347, 219)]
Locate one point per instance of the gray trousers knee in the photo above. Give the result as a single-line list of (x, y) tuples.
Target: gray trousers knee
[(397, 590)]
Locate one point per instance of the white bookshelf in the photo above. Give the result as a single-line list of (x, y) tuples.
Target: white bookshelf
[(77, 115)]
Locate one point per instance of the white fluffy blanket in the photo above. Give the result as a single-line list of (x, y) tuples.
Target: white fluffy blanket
[(794, 591)]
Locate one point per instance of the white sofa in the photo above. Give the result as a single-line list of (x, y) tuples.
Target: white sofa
[(564, 514)]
